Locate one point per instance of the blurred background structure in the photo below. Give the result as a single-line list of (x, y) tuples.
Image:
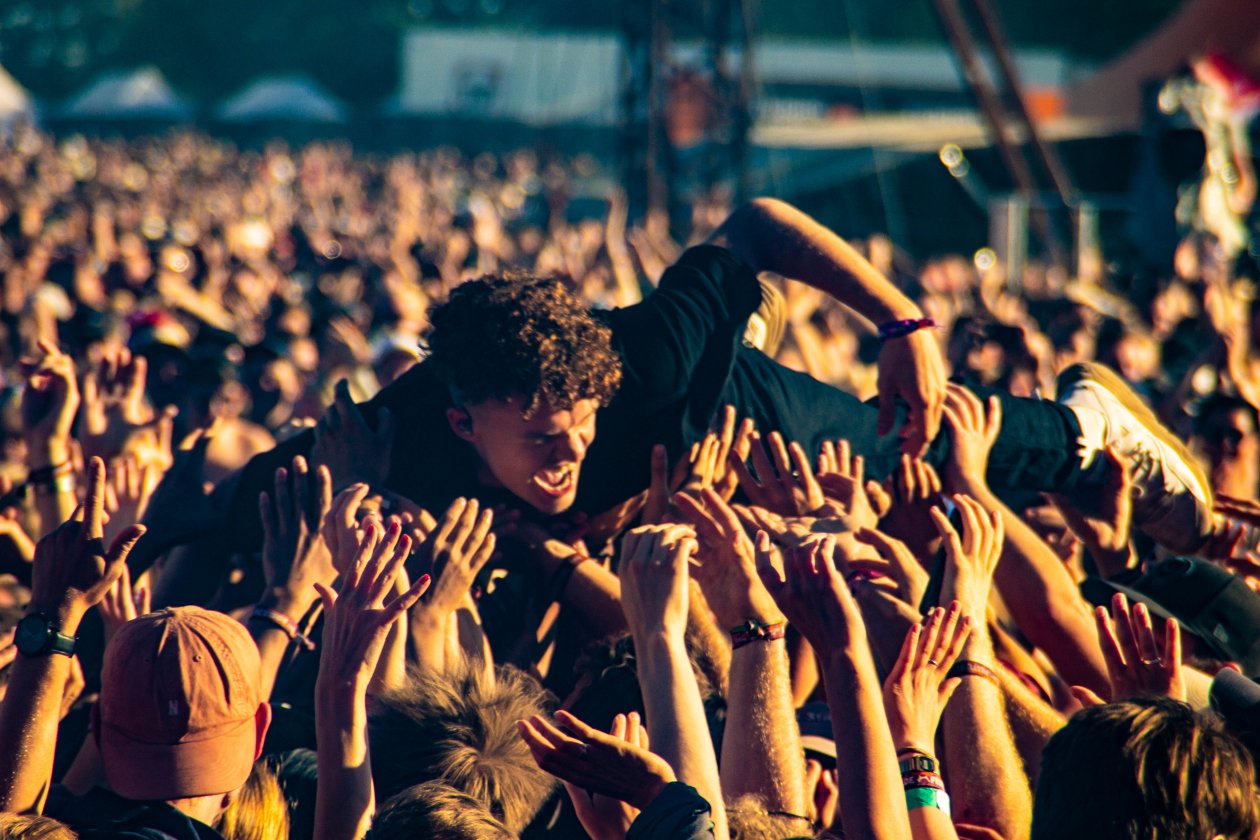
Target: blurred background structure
[(1029, 127)]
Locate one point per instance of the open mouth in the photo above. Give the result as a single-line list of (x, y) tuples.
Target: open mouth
[(556, 481)]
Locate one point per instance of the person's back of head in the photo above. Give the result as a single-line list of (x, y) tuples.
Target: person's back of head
[(1144, 769), (437, 811), (296, 772), (181, 715), (461, 730), (33, 827), (258, 811)]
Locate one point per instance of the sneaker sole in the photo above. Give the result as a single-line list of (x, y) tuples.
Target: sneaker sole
[(1122, 391)]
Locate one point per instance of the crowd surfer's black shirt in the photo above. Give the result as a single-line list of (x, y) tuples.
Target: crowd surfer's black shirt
[(677, 348)]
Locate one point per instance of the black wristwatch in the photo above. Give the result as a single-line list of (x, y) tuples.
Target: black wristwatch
[(36, 636)]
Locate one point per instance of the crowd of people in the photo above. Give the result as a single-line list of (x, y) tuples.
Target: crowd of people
[(424, 496)]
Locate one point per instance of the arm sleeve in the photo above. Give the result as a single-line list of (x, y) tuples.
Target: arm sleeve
[(697, 313), (679, 812)]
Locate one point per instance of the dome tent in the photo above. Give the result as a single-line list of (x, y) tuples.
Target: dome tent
[(292, 98)]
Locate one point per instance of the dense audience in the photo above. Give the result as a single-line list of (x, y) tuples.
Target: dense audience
[(419, 496)]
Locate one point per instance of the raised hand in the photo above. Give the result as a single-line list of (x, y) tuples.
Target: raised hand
[(786, 532), (911, 368), (785, 482), (1105, 528), (727, 567), (122, 603), (709, 459), (455, 552), (358, 617), (918, 687), (812, 593), (114, 406), (973, 429), (351, 449), (49, 403), (128, 491), (295, 556), (654, 573), (595, 765), (73, 569), (1137, 664), (902, 567), (972, 558), (842, 477), (915, 488)]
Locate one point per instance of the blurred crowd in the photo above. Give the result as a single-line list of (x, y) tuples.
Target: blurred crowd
[(172, 307)]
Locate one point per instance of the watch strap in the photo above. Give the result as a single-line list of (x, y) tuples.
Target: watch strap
[(61, 643)]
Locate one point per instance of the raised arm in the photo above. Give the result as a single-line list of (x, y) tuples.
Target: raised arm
[(295, 557), (72, 572), (1035, 585), (356, 623), (456, 551), (764, 755), (987, 779), (814, 596), (771, 235), (49, 403), (654, 596)]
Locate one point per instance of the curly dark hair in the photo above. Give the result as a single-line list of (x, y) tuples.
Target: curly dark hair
[(518, 335)]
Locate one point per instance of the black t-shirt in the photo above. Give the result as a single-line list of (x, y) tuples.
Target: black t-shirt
[(101, 814), (677, 348)]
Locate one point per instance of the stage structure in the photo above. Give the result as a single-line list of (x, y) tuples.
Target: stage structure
[(684, 125)]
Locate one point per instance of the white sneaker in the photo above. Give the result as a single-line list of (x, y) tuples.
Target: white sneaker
[(1172, 498)]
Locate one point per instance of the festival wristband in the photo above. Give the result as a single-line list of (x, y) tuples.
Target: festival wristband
[(901, 329), (918, 763), (754, 631), (922, 780), (927, 798), (970, 668)]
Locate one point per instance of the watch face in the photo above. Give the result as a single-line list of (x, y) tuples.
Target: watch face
[(31, 635)]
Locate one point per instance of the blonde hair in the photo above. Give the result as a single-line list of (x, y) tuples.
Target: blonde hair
[(258, 811), (33, 827)]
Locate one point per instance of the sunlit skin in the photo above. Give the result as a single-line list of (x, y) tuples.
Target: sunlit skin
[(539, 458)]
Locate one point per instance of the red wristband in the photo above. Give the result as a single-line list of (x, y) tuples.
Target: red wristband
[(755, 631)]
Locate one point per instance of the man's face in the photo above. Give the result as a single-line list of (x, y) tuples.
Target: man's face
[(539, 458)]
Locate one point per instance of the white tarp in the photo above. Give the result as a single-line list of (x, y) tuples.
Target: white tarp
[(138, 94), (556, 77), (282, 99)]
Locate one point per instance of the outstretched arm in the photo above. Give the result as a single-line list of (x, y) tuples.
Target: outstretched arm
[(654, 568), (72, 572), (771, 235)]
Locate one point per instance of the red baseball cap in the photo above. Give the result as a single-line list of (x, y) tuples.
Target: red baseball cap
[(180, 689)]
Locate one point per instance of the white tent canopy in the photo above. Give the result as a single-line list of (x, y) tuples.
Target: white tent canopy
[(282, 99), (138, 94), (15, 102)]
